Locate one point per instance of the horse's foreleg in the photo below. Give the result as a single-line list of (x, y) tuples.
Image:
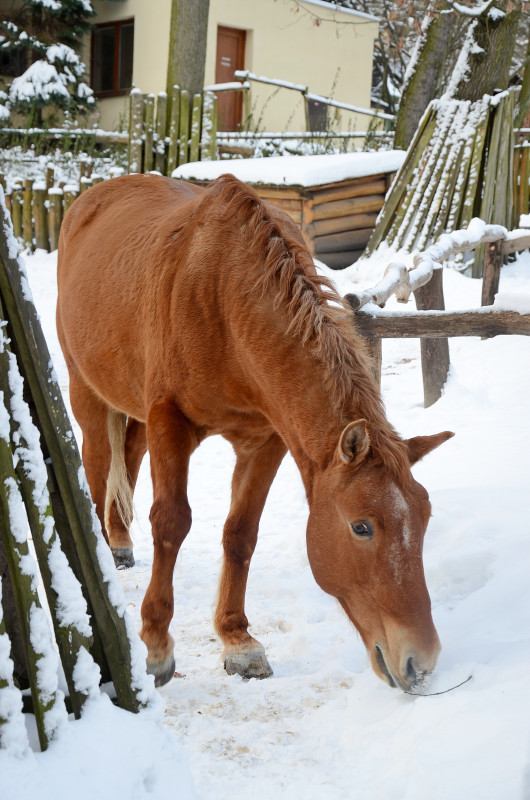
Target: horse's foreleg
[(118, 531), (253, 475), (171, 439)]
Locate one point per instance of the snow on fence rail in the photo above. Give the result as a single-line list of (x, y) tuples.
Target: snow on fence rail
[(431, 323)]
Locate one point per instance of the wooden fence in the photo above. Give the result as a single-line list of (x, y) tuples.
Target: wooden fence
[(41, 487), (460, 165), (431, 323), (37, 208), (165, 132)]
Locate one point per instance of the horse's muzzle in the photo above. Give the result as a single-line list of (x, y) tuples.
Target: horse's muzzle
[(412, 673)]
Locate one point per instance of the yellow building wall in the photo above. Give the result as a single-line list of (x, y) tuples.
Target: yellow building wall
[(333, 58)]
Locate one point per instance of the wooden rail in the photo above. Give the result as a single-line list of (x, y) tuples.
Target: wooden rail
[(431, 323)]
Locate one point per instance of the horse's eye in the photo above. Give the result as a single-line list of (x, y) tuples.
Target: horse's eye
[(363, 529)]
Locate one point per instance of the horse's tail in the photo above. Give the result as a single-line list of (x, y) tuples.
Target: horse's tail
[(118, 485)]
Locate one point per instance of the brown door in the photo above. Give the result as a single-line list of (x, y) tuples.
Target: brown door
[(230, 56)]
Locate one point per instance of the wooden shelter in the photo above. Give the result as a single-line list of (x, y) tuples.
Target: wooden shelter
[(337, 219)]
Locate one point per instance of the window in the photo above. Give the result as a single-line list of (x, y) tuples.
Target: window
[(13, 62), (112, 58)]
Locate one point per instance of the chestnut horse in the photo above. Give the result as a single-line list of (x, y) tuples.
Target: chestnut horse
[(185, 312)]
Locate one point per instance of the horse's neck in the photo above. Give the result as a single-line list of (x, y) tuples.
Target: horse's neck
[(299, 403)]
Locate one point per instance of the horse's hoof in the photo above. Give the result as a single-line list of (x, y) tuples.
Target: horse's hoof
[(252, 664), (163, 671), (123, 557)]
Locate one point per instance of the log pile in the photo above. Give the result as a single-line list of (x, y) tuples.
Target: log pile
[(460, 165)]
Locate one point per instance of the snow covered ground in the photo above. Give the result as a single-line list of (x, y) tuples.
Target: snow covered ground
[(324, 727)]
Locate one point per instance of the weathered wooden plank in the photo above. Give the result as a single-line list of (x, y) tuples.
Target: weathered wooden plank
[(40, 222), (524, 175), (27, 341), (27, 216), (68, 637), (195, 133), (55, 216), (149, 128), (273, 193), (136, 130), (468, 203), (209, 127), (286, 203), (493, 259), (434, 352), (405, 228), (398, 192), (485, 323), (324, 187), (25, 592), (338, 224), (343, 208), (160, 127), (16, 212), (174, 131), (517, 245), (184, 129), (354, 188)]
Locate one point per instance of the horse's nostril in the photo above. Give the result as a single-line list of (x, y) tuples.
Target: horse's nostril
[(411, 671)]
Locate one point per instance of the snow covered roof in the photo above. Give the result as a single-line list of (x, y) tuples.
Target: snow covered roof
[(296, 170), (341, 9)]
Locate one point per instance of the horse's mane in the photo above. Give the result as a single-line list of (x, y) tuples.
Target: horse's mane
[(317, 316)]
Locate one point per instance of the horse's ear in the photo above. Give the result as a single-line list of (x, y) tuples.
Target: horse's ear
[(354, 442), (419, 446)]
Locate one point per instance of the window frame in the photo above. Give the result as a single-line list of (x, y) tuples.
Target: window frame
[(115, 91)]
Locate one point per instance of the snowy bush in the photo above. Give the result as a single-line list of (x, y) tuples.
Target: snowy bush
[(48, 33)]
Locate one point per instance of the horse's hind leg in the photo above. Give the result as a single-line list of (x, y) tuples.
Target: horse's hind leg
[(134, 448), (91, 414), (254, 472)]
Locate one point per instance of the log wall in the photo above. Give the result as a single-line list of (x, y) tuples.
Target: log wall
[(336, 219)]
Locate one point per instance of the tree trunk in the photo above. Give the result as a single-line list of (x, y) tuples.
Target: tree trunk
[(187, 46), (424, 83), (524, 98), (489, 62)]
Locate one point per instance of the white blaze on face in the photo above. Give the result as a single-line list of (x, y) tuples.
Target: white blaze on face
[(401, 512)]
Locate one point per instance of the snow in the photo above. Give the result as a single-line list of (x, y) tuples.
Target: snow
[(296, 171), (324, 726)]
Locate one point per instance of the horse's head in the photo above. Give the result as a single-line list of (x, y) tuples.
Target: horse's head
[(365, 539)]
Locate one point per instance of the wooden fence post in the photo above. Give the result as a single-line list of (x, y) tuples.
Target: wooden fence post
[(184, 132), (55, 216), (434, 352), (174, 131), (195, 136), (16, 211), (493, 259), (149, 132), (27, 225), (136, 130), (161, 124), (40, 216), (209, 127)]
